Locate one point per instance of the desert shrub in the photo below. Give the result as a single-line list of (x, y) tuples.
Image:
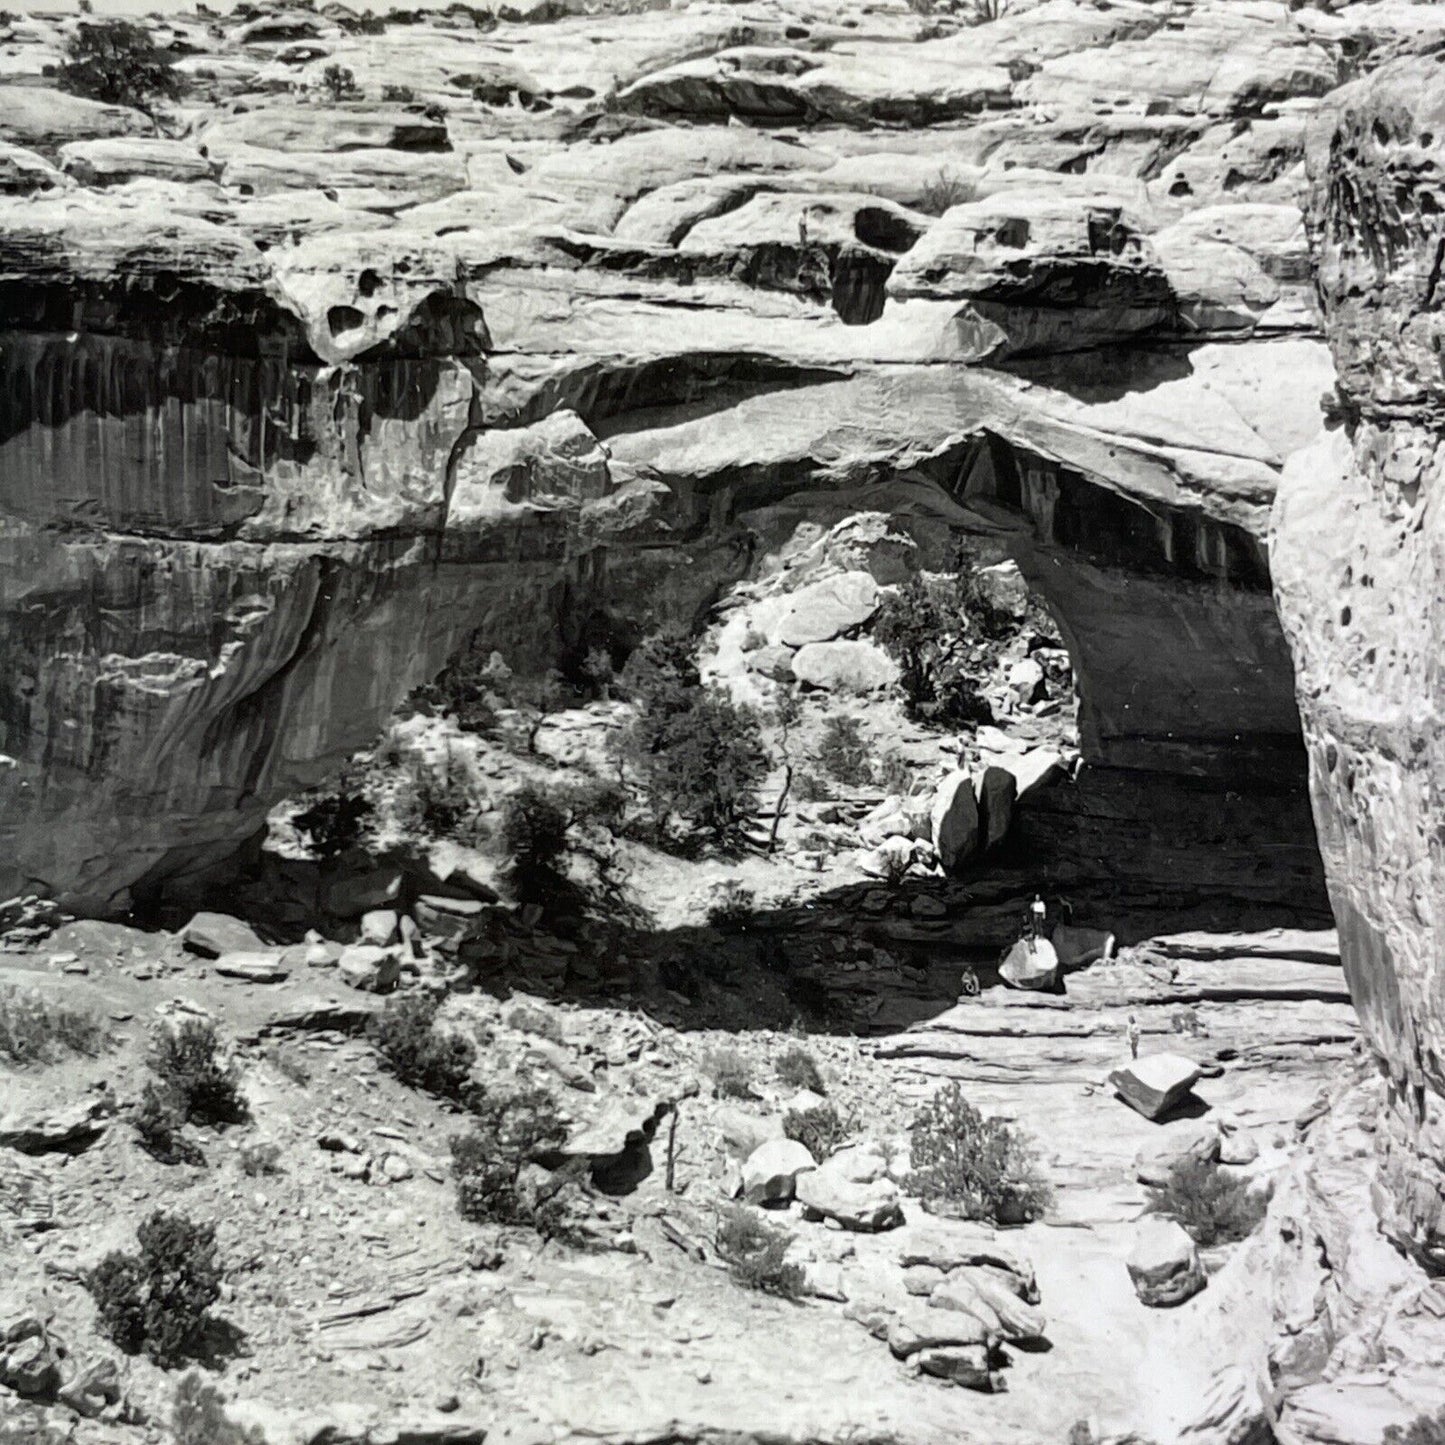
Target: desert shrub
[(534, 833), (369, 23), (158, 1117), (158, 1301), (404, 1033), (699, 762), (844, 752), (199, 1417), (1212, 1205), (117, 62), (339, 819), (34, 1029), (398, 94), (435, 799), (798, 1069), (185, 1058), (508, 1131), (660, 674), (730, 1072), (755, 1254), (821, 1130), (339, 83), (810, 788), (920, 625), (972, 1167), (944, 192), (1422, 1430), (732, 906)]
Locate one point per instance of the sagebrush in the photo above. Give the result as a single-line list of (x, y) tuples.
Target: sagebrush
[(755, 1253), (158, 1300), (972, 1167), (731, 1074), (35, 1029), (798, 1069), (406, 1035), (844, 753), (1212, 1205), (199, 1417), (186, 1058), (509, 1131), (821, 1129)]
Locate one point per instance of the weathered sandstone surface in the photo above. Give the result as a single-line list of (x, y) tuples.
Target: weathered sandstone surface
[(1357, 557), (300, 396)]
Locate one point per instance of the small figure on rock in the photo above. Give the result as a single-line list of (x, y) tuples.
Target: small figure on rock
[(1034, 924), (1132, 1031), (968, 984)]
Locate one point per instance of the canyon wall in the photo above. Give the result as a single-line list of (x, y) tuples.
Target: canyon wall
[(573, 317), (1357, 553)]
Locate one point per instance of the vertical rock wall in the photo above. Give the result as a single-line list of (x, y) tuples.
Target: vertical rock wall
[(1358, 557)]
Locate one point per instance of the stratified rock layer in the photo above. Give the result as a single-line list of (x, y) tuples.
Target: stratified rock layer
[(1357, 547)]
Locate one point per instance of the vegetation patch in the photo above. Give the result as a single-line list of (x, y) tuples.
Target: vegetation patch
[(117, 62), (755, 1254), (35, 1029), (798, 1069), (417, 1052), (821, 1130), (971, 1167), (158, 1300), (491, 1159), (1211, 1204)]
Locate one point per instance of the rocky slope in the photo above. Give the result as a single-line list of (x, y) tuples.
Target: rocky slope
[(305, 390)]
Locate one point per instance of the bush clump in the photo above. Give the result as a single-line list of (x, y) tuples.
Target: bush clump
[(1210, 1204), (186, 1060), (920, 625), (435, 799), (821, 1130), (159, 1300), (971, 1167), (844, 753), (1422, 1430), (534, 833), (798, 1069), (339, 819), (755, 1254), (199, 1417), (117, 62), (34, 1029), (508, 1132), (731, 1074), (339, 83), (417, 1052), (699, 760)]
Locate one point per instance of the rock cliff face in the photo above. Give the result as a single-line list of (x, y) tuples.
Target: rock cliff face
[(1358, 569), (297, 399)]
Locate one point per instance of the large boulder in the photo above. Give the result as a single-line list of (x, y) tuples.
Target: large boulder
[(996, 789), (212, 934), (828, 1193), (1183, 1143), (955, 820), (851, 665), (1164, 1264), (1156, 1083), (369, 968), (771, 1171), (824, 610), (1031, 964)]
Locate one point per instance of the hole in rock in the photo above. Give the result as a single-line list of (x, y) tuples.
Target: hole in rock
[(341, 319), (368, 283)]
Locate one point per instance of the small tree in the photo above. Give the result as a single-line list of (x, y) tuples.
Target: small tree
[(699, 764), (185, 1058), (534, 833), (920, 625), (970, 1167), (821, 1130), (199, 1417), (117, 62), (159, 1299), (339, 819), (339, 83)]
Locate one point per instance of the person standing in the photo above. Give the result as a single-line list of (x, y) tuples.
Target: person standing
[(1133, 1032)]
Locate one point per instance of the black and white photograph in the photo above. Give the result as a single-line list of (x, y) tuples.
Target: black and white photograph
[(722, 722)]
